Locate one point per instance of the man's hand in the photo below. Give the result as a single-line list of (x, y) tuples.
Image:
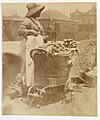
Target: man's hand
[(45, 38), (33, 32)]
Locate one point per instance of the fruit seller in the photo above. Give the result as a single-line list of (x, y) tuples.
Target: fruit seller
[(31, 33)]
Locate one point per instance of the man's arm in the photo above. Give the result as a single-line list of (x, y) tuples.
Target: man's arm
[(25, 29)]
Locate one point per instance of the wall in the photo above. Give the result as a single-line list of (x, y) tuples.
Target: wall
[(10, 28), (65, 29)]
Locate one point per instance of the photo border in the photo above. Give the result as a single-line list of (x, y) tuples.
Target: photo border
[(15, 117)]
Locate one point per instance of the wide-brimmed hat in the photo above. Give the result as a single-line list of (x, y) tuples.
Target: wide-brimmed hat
[(33, 8)]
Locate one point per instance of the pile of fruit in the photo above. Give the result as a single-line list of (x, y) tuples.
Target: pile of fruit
[(64, 47)]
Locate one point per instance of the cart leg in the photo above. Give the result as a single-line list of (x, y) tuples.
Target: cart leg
[(31, 102)]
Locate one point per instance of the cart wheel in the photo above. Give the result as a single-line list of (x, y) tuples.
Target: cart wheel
[(33, 89)]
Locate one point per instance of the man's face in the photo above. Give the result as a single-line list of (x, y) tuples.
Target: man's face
[(37, 14)]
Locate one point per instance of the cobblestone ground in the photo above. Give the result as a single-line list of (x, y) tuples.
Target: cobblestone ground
[(85, 104)]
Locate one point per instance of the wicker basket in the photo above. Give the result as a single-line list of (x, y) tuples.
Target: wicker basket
[(47, 68)]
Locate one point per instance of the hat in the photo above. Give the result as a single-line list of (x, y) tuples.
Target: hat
[(33, 8)]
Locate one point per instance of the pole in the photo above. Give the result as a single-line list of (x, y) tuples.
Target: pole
[(50, 25)]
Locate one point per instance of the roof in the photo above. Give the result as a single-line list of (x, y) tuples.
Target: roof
[(77, 12), (53, 14), (91, 11)]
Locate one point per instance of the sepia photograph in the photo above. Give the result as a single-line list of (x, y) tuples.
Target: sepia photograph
[(49, 59)]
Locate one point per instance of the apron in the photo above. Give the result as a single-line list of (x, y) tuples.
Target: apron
[(32, 43)]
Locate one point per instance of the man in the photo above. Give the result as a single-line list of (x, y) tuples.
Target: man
[(54, 35), (32, 33)]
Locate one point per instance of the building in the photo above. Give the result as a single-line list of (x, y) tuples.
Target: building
[(55, 20), (86, 20), (90, 16), (79, 26)]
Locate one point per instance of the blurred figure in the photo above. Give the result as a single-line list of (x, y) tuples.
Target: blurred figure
[(54, 35)]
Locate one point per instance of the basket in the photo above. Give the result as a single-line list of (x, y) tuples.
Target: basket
[(46, 68)]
